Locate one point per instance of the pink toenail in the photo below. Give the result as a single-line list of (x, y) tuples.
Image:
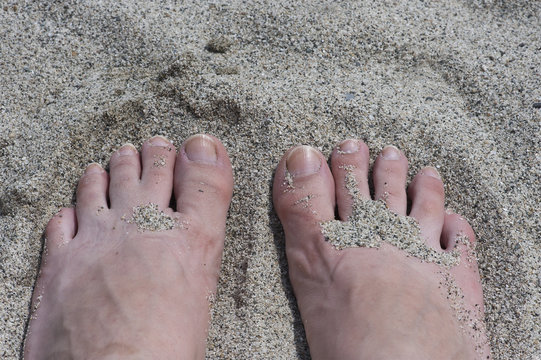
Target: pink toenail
[(126, 150), (159, 141), (390, 152), (430, 171), (303, 160), (201, 148), (93, 168), (349, 146)]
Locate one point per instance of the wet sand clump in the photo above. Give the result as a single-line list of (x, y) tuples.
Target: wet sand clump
[(149, 218), (371, 224)]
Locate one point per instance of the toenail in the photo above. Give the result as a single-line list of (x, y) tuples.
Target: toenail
[(303, 160), (349, 146), (93, 168), (127, 149), (430, 171), (390, 152), (159, 140), (201, 148)]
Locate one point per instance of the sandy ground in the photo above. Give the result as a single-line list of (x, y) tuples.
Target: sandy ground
[(455, 84)]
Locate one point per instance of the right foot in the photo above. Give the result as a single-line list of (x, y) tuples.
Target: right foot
[(115, 283), (374, 303)]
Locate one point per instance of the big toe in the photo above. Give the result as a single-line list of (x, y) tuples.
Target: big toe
[(203, 184), (303, 195)]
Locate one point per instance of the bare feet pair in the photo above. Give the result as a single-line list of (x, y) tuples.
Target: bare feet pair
[(125, 276)]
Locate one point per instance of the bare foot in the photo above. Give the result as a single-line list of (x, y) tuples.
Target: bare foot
[(376, 303), (134, 278)]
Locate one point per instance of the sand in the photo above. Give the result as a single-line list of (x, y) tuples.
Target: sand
[(453, 84), (372, 224)]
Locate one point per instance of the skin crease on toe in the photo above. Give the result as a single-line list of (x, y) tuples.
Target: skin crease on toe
[(107, 288), (367, 303)]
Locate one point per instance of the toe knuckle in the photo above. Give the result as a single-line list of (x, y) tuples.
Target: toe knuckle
[(206, 236), (436, 187), (214, 186), (427, 188), (302, 262), (428, 206), (363, 148), (123, 161), (90, 179)]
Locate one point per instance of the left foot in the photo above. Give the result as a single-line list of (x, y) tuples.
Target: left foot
[(133, 279), (376, 303)]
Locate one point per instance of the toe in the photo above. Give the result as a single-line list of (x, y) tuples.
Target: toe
[(158, 159), (303, 195), (455, 227), (303, 190), (125, 169), (60, 230), (203, 184), (427, 204), (458, 234), (390, 172), (349, 162), (92, 193)]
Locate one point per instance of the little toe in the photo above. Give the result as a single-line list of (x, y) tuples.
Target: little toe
[(390, 173), (91, 193), (458, 234), (125, 173), (60, 230), (349, 162), (158, 159), (455, 227), (203, 184), (427, 204)]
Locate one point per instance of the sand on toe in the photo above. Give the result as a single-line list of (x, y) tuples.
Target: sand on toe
[(454, 84)]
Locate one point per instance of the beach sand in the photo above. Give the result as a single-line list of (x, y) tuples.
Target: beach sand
[(454, 84)]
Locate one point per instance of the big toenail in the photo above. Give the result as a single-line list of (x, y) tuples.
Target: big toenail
[(159, 141), (303, 160), (93, 168), (430, 171), (201, 148), (127, 149), (390, 152), (349, 146)]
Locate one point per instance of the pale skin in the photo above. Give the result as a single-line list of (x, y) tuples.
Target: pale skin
[(110, 290)]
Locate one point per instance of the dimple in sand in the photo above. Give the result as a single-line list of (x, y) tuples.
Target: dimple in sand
[(373, 284)]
